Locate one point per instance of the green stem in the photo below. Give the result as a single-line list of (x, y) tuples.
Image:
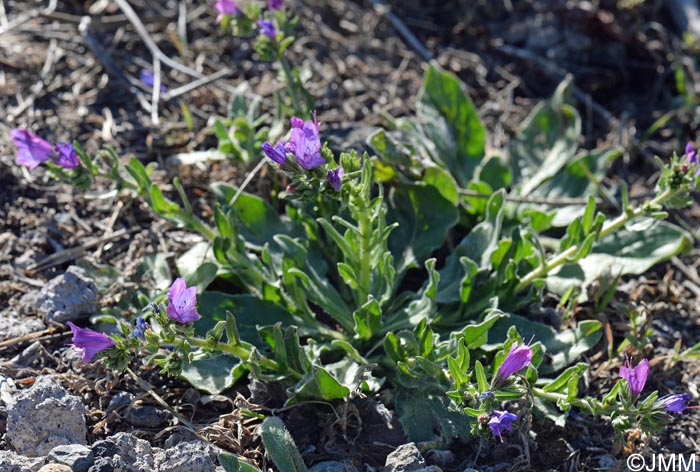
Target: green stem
[(365, 275), (577, 402), (609, 228), (244, 351), (292, 86)]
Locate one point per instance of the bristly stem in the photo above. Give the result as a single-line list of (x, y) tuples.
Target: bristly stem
[(609, 228)]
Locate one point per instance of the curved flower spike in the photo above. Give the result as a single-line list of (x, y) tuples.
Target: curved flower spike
[(182, 302), (518, 357), (91, 342), (636, 377)]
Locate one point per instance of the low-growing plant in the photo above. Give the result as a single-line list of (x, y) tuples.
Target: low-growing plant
[(362, 284)]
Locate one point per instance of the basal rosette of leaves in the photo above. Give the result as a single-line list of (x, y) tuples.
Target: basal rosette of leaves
[(376, 277)]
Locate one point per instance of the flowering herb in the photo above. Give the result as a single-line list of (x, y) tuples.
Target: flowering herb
[(675, 403), (267, 28), (148, 79), (501, 420), (335, 178), (274, 4), (636, 377), (225, 7), (518, 357), (182, 302), (305, 144), (91, 342), (66, 156), (31, 149)]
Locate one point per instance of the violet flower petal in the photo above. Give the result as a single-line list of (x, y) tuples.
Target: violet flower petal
[(91, 342), (66, 156), (182, 302), (500, 421), (31, 149), (636, 377), (518, 357), (335, 178), (675, 403)]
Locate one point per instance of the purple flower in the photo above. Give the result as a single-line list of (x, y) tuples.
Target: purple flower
[(66, 156), (148, 80), (274, 4), (305, 143), (675, 403), (267, 28), (692, 156), (182, 302), (276, 153), (140, 327), (31, 149), (636, 377), (91, 342), (225, 7), (518, 357), (335, 178), (501, 420)]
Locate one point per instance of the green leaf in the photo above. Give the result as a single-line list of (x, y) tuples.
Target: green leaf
[(231, 463), (161, 205), (476, 335), (424, 218), (197, 266), (280, 446), (368, 319), (477, 246), (451, 122), (156, 267), (260, 222), (318, 384), (418, 411), (213, 375), (481, 381), (631, 251), (559, 384), (249, 311), (546, 142), (443, 182)]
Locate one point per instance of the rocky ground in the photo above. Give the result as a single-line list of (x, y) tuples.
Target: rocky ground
[(69, 70)]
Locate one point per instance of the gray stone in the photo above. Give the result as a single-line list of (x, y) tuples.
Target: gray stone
[(76, 456), (55, 468), (43, 417), (68, 297), (120, 400), (334, 466), (188, 456), (179, 436), (10, 461), (146, 416), (14, 326), (405, 458), (124, 452)]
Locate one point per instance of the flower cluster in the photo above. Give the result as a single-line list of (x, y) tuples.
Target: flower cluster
[(182, 302), (229, 8), (518, 357), (33, 150), (303, 148), (636, 378)]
